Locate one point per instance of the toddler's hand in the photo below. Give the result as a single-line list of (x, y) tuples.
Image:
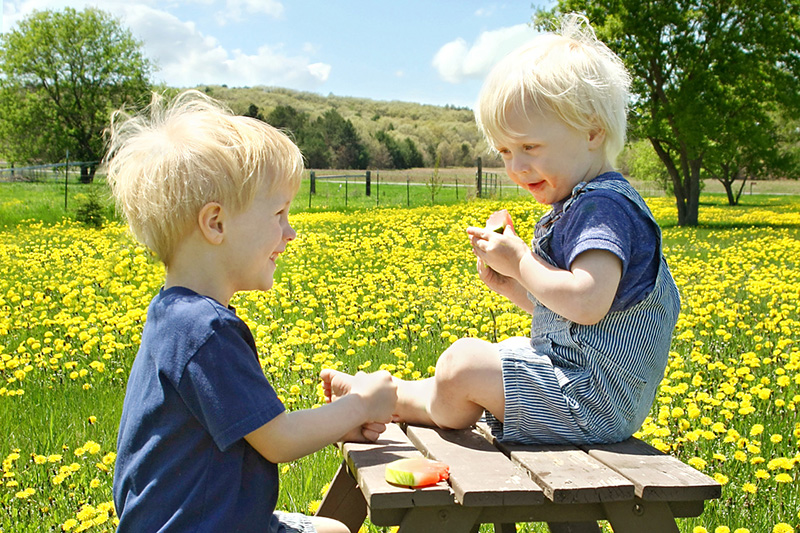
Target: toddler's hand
[(500, 252)]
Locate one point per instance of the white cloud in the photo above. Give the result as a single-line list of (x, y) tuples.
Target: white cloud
[(240, 10), (457, 61), (186, 57)]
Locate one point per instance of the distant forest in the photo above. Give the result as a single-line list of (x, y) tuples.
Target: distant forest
[(358, 133)]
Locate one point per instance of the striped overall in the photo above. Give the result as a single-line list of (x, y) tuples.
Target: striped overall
[(587, 384)]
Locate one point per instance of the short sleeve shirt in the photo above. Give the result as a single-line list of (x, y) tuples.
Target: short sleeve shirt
[(603, 219), (195, 390)]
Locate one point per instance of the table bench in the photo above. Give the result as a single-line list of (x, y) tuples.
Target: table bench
[(630, 484)]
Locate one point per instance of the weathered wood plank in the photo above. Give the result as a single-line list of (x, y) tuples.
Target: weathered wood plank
[(368, 463), (569, 475), (452, 519), (656, 476), (566, 473), (479, 473), (344, 501), (638, 516)]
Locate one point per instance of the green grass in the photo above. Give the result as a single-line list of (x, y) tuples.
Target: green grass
[(389, 288)]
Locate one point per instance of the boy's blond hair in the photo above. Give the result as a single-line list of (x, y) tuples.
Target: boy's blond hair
[(571, 74), (165, 163)]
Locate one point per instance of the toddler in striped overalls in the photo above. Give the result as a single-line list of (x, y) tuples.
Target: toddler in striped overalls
[(601, 296)]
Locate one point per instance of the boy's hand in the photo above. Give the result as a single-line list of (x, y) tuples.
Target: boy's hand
[(378, 388), (366, 433), (379, 392)]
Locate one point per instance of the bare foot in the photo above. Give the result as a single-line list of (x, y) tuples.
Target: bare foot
[(413, 402), (335, 384)]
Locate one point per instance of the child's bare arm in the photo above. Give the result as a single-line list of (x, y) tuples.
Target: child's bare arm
[(583, 294), (292, 435)]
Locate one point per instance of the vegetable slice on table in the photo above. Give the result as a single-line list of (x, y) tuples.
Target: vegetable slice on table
[(416, 472)]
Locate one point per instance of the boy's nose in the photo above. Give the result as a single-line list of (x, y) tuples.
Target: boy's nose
[(290, 234)]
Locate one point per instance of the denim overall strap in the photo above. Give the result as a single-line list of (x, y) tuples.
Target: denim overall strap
[(608, 372)]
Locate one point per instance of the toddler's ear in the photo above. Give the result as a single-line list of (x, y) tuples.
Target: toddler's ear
[(597, 136), (210, 221)]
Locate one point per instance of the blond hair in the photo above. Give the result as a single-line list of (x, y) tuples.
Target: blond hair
[(165, 163), (570, 73)]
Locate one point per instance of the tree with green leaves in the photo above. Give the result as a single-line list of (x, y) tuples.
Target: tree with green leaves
[(709, 80), (62, 73)]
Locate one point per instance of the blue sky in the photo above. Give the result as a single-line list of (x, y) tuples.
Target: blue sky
[(426, 51)]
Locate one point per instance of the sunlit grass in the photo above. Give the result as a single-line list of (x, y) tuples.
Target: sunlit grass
[(391, 289)]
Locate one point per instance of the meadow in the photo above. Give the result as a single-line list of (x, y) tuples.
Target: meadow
[(390, 289)]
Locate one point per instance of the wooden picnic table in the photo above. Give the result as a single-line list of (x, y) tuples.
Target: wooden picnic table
[(630, 484)]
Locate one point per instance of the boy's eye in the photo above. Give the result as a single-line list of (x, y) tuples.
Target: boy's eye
[(528, 147)]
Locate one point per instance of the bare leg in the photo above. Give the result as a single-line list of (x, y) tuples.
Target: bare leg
[(328, 525), (468, 380)]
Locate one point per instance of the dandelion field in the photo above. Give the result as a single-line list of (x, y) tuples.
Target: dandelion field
[(391, 288)]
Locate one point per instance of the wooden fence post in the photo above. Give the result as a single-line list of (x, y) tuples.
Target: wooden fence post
[(313, 182), (368, 182), (478, 179)]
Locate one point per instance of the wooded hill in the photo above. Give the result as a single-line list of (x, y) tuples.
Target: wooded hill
[(390, 134)]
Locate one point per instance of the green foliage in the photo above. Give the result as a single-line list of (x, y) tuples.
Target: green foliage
[(447, 131), (61, 74), (330, 141), (641, 162), (90, 210), (709, 78)]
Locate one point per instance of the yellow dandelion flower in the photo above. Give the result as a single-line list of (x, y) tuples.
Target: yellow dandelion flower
[(783, 477), (783, 527), (749, 488), (697, 463)]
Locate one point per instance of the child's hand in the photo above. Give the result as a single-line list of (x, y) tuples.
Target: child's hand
[(379, 391), (501, 252), (366, 433), (378, 388)]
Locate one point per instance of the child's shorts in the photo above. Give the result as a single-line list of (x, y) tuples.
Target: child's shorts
[(294, 523), (548, 404)]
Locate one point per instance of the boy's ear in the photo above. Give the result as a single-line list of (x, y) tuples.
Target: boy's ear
[(210, 221)]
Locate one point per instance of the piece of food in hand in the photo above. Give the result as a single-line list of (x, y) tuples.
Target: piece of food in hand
[(498, 221), (416, 472)]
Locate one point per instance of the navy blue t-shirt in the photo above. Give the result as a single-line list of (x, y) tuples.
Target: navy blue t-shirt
[(606, 220), (195, 390)]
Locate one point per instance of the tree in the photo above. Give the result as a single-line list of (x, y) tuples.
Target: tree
[(61, 76), (708, 80)]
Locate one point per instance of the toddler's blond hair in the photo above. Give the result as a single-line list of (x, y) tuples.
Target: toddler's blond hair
[(570, 73)]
